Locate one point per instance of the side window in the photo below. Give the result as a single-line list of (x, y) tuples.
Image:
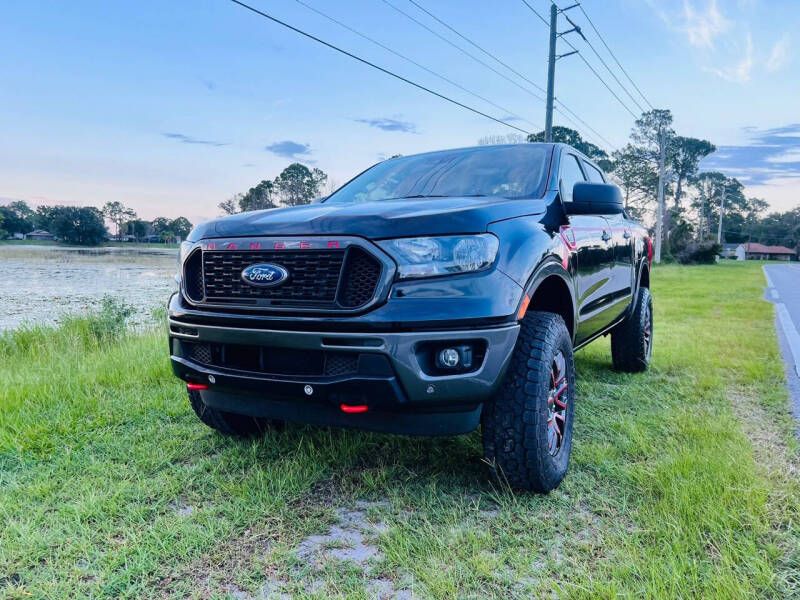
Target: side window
[(571, 174), (594, 173)]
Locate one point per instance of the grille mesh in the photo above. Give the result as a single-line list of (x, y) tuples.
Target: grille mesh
[(193, 275), (362, 272), (313, 276), (272, 361)]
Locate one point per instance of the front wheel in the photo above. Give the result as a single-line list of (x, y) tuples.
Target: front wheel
[(527, 426)]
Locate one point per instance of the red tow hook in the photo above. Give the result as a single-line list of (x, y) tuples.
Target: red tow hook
[(353, 408), (196, 386)]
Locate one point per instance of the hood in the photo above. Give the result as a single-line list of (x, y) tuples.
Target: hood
[(373, 220)]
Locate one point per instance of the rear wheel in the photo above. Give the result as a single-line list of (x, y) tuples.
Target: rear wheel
[(632, 340), (527, 426), (230, 423)]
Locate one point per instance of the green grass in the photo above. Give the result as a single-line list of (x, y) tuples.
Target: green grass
[(683, 482)]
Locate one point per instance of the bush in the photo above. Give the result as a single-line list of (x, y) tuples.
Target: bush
[(700, 253), (76, 333)]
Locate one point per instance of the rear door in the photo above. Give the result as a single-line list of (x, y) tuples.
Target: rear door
[(619, 286), (592, 237)]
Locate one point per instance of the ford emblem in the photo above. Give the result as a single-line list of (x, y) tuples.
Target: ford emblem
[(264, 275)]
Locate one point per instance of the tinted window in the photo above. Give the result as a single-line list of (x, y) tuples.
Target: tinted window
[(594, 173), (506, 171), (570, 175)]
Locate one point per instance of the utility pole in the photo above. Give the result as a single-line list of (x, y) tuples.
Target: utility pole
[(660, 217), (551, 65), (551, 75), (721, 211)]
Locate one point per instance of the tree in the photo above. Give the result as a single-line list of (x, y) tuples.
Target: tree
[(297, 184), (565, 135), (652, 137), (117, 213), (180, 227), (137, 228), (17, 217), (79, 225), (258, 197), (685, 154), (3, 232), (635, 175), (160, 224), (44, 216), (230, 206)]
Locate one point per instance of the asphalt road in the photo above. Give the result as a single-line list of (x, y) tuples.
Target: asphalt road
[(784, 290)]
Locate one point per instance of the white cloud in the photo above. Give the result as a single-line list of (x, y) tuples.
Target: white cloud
[(702, 27), (739, 72), (782, 193), (779, 56), (790, 156)]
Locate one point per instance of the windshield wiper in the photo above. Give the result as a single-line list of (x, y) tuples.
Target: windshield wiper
[(444, 196)]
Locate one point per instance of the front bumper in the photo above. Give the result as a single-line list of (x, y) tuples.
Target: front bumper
[(401, 397)]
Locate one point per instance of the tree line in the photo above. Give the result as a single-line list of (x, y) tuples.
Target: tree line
[(85, 225), (692, 199), (295, 185)]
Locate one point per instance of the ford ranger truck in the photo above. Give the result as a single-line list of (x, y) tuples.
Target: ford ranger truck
[(429, 295)]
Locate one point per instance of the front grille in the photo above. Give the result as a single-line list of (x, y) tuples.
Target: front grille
[(313, 276), (272, 360), (318, 279)]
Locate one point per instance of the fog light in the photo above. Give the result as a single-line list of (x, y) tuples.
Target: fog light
[(449, 357)]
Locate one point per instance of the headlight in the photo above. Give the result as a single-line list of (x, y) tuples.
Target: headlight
[(432, 256)]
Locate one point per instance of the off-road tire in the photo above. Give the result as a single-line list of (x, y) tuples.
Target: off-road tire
[(515, 422), (632, 340), (230, 423)]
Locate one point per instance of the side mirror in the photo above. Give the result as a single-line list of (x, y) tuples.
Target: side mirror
[(594, 199)]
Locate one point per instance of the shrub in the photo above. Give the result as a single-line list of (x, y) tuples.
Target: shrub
[(700, 253)]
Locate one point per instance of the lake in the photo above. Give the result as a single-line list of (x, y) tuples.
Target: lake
[(39, 284)]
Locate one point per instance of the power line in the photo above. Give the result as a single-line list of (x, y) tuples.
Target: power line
[(517, 73), (374, 66), (486, 52), (582, 57), (460, 49), (621, 68), (479, 61), (600, 58), (413, 62)]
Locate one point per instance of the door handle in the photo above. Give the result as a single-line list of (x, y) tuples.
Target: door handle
[(606, 236), (627, 235)]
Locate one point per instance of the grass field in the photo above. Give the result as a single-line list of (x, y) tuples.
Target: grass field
[(684, 481)]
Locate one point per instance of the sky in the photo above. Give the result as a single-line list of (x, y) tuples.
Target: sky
[(172, 107)]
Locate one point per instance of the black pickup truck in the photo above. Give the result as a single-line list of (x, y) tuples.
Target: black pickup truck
[(428, 295)]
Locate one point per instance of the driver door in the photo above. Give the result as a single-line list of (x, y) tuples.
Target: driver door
[(595, 256)]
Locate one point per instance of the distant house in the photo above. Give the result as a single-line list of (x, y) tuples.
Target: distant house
[(729, 251), (753, 251), (41, 235)]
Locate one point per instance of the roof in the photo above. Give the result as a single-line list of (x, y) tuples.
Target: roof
[(730, 247), (754, 248), (39, 232)]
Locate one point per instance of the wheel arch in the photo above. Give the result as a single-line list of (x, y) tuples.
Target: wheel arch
[(550, 290)]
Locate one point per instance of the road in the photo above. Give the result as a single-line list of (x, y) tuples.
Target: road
[(784, 291)]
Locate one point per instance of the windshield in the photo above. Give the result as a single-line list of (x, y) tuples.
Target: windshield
[(506, 171)]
